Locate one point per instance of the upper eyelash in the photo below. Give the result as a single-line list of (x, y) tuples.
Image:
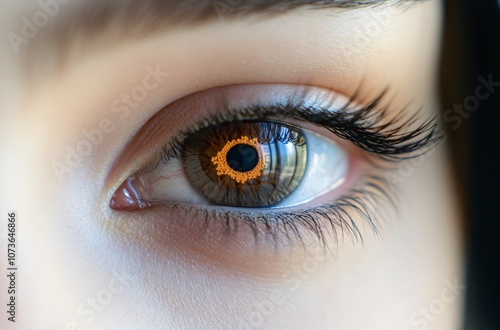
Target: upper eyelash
[(369, 127), (365, 128)]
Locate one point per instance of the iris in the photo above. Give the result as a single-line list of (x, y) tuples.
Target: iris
[(253, 163)]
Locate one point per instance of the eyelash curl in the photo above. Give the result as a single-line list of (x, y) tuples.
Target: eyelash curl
[(370, 127)]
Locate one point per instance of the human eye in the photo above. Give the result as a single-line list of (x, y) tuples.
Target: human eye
[(277, 158)]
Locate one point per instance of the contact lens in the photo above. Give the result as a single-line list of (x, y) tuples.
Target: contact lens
[(255, 163)]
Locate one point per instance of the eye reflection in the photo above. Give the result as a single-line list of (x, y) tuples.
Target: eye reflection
[(243, 157), (245, 164)]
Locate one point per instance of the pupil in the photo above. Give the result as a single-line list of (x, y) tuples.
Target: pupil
[(242, 158)]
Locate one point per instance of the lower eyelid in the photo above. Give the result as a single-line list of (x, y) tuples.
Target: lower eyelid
[(359, 212), (355, 210), (263, 248)]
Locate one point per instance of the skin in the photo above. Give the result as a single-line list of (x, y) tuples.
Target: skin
[(155, 270)]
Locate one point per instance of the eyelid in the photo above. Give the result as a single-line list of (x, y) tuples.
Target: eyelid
[(141, 152), (371, 127), (166, 124)]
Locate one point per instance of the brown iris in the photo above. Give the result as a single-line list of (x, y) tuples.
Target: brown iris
[(245, 163)]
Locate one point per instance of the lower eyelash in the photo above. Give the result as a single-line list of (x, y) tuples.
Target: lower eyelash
[(366, 200)]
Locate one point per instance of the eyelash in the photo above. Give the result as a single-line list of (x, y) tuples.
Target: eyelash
[(389, 141), (368, 127), (364, 200)]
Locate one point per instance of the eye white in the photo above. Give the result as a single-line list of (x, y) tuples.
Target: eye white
[(327, 166), (326, 169)]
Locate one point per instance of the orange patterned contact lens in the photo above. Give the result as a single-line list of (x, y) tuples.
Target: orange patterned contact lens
[(247, 163), (241, 159)]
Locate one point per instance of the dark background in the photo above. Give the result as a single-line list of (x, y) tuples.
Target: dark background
[(471, 49)]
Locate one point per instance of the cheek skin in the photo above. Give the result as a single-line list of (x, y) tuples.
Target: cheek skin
[(70, 232), (416, 257)]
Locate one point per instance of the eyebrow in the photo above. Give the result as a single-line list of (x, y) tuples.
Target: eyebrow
[(84, 21)]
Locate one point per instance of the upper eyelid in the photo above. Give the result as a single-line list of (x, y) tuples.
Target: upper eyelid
[(155, 129), (391, 137)]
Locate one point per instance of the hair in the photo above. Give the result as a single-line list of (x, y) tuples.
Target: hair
[(471, 49)]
